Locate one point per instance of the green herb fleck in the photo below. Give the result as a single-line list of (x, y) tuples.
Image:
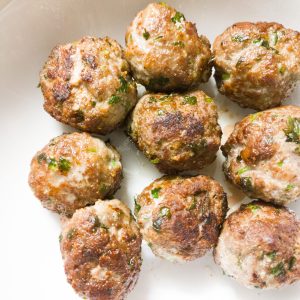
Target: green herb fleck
[(271, 255), (52, 164), (178, 18), (280, 163), (114, 99), (113, 163), (208, 99), (179, 43), (253, 117), (64, 165), (41, 157), (225, 76), (97, 224), (190, 100), (93, 103), (137, 206), (71, 233), (123, 85), (289, 187), (243, 170), (152, 99), (293, 130), (193, 204), (253, 207), (278, 269), (281, 69), (246, 184), (158, 37), (239, 38), (155, 160), (291, 262), (274, 38), (165, 212), (160, 112), (94, 150), (157, 224), (155, 192), (146, 34)]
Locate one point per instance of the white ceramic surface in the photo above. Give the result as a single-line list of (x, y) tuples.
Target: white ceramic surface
[(30, 260)]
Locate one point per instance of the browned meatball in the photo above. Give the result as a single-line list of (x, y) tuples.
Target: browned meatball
[(74, 170), (259, 246), (263, 155), (257, 64), (177, 132), (165, 51), (101, 248), (87, 84), (180, 217)]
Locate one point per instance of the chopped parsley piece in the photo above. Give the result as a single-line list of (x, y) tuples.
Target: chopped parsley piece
[(155, 192), (94, 150), (246, 183), (152, 99), (146, 34), (113, 163), (190, 100), (264, 43), (158, 37), (253, 207), (165, 212), (178, 43), (124, 85), (137, 207), (243, 170), (193, 204), (52, 163), (71, 233), (157, 224), (114, 99), (225, 76), (271, 255), (155, 160), (291, 262), (178, 18), (93, 103), (293, 130), (41, 157), (278, 269), (239, 38), (281, 69), (274, 38), (64, 165), (280, 163), (289, 187), (253, 117), (97, 224), (208, 99)]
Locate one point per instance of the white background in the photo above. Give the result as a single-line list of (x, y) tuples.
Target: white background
[(30, 261)]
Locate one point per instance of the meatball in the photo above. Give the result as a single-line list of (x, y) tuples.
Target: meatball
[(177, 132), (180, 217), (263, 155), (74, 170), (101, 248), (257, 64), (165, 51), (87, 84), (259, 246)]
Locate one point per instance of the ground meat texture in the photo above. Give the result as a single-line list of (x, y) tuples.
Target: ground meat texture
[(259, 246), (257, 64), (177, 132), (87, 84), (74, 170), (101, 248), (263, 155), (180, 217), (165, 51)]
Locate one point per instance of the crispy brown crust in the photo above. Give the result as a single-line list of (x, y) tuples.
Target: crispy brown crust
[(79, 79), (262, 60), (176, 134), (172, 51), (197, 207), (89, 178), (98, 263), (264, 237), (259, 152)]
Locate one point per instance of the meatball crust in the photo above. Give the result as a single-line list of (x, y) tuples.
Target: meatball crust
[(101, 248), (180, 217), (165, 51), (257, 64), (74, 170), (87, 84), (177, 132), (259, 246), (263, 155)]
